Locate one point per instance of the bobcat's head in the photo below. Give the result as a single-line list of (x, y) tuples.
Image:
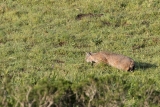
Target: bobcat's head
[(89, 57)]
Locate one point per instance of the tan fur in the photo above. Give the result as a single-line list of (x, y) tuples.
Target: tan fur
[(115, 60)]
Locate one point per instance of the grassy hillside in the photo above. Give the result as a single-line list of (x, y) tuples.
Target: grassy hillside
[(43, 45)]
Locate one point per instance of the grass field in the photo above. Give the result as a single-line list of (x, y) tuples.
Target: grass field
[(43, 45)]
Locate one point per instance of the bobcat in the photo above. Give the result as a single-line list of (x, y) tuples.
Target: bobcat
[(115, 60)]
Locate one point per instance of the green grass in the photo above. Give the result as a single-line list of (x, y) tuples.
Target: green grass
[(43, 45)]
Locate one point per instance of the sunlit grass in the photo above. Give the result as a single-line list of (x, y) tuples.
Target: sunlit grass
[(43, 45)]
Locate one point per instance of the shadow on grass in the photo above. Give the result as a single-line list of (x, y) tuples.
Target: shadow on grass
[(144, 65)]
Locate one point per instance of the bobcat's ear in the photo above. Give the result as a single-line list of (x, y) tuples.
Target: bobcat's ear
[(88, 53)]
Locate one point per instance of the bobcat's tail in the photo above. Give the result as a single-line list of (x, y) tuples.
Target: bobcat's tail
[(132, 66)]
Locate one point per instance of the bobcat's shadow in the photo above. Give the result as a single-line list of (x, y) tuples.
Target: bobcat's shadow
[(144, 65)]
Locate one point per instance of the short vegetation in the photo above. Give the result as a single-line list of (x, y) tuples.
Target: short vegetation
[(43, 45)]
